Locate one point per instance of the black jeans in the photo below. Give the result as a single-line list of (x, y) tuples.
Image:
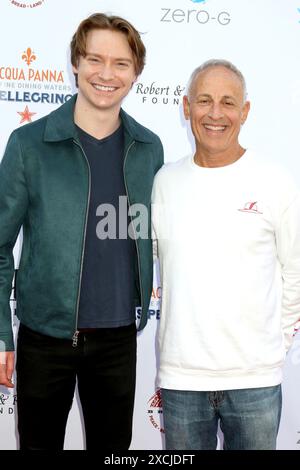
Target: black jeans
[(104, 363)]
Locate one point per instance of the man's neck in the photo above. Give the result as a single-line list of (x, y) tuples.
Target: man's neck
[(218, 159), (96, 122)]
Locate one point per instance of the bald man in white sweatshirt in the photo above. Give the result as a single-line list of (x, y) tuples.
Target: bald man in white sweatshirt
[(227, 227)]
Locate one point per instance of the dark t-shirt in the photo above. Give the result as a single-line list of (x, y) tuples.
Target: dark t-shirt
[(108, 276)]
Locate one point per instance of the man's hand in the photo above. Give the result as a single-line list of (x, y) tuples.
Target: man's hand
[(7, 361)]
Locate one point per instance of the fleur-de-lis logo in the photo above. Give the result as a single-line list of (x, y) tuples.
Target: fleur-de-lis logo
[(28, 56)]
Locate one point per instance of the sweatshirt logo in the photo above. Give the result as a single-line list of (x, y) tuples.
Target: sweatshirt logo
[(251, 207)]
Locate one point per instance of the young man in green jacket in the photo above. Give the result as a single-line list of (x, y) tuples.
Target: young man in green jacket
[(65, 178)]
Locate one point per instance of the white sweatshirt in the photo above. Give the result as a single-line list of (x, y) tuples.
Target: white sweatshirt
[(229, 252)]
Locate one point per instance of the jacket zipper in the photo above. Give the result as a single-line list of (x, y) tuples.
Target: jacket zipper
[(135, 240), (75, 336)]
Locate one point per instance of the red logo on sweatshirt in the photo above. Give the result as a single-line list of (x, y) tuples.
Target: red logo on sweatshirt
[(251, 207)]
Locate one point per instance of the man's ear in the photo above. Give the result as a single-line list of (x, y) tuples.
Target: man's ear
[(245, 112), (186, 107), (75, 69), (134, 80)]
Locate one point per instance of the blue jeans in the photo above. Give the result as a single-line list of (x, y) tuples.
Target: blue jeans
[(249, 418)]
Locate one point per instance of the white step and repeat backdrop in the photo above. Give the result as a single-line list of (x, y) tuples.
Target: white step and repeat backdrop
[(261, 37)]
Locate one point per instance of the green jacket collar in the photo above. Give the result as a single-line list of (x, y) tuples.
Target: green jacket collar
[(60, 125)]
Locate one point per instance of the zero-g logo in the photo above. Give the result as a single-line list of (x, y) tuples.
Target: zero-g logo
[(170, 15)]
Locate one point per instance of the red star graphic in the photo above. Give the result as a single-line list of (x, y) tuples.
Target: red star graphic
[(26, 115)]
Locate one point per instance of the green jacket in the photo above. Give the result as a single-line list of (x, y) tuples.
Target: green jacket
[(44, 187)]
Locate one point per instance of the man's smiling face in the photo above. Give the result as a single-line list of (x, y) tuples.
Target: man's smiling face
[(216, 108), (107, 71)]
